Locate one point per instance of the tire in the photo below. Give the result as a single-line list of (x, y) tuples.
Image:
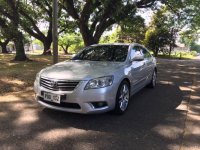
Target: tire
[(122, 98), (152, 84)]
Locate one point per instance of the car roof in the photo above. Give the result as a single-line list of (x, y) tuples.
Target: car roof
[(128, 44), (125, 44)]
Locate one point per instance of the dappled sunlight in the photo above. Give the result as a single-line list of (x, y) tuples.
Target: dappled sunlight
[(196, 87), (173, 147), (19, 76), (16, 96), (11, 64), (26, 116), (167, 82), (182, 106), (55, 135), (180, 65), (84, 145), (184, 88), (167, 131), (12, 81), (176, 77), (155, 118), (193, 117), (3, 114), (195, 97)]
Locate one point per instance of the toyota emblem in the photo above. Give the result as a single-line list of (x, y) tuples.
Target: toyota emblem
[(53, 84)]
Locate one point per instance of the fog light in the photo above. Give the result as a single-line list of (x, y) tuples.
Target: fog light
[(99, 104)]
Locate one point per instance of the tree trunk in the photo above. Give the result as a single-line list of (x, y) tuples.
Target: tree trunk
[(170, 50), (86, 34), (17, 35), (156, 52), (88, 40), (4, 49), (47, 47), (20, 52), (3, 46), (65, 49)]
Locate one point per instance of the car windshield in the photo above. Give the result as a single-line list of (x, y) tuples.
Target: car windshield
[(103, 53)]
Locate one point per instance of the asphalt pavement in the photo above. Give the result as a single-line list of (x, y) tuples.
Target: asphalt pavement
[(164, 118)]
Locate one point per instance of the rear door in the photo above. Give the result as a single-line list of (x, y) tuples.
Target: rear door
[(148, 67), (137, 71)]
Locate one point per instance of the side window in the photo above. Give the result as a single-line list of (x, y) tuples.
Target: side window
[(134, 50), (146, 53)]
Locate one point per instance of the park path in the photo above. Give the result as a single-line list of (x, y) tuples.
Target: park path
[(164, 118), (191, 137)]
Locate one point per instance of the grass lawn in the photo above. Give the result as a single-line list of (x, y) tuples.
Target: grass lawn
[(177, 56), (18, 76)]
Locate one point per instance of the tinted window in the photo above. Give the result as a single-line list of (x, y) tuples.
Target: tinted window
[(103, 53), (146, 53), (135, 49)]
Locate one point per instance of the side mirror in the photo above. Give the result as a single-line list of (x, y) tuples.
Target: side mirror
[(137, 56)]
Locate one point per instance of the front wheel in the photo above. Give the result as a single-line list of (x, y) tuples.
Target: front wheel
[(122, 98), (152, 84)]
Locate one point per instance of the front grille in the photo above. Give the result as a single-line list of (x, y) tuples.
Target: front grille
[(58, 85)]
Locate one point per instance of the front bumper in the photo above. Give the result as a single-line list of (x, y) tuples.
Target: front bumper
[(80, 100)]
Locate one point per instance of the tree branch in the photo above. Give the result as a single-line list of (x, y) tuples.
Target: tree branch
[(71, 9), (145, 3), (32, 23)]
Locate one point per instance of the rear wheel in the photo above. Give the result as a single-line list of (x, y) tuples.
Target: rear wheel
[(152, 84), (122, 98)]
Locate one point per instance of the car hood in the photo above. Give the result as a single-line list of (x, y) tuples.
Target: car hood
[(80, 70)]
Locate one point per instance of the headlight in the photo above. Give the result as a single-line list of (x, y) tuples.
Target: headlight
[(99, 82)]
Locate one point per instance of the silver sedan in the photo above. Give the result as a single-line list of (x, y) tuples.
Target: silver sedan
[(98, 79)]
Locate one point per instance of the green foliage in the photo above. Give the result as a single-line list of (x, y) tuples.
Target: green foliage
[(161, 34), (93, 17), (189, 38), (194, 53), (195, 47), (157, 39), (132, 30), (112, 38), (36, 41), (70, 42)]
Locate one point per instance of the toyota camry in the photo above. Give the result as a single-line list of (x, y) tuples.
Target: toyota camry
[(98, 79)]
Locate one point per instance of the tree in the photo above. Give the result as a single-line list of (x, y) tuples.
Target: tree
[(161, 35), (4, 39), (93, 17), (38, 12), (113, 37), (157, 40), (188, 37), (10, 10), (188, 12), (132, 30), (34, 13), (67, 40)]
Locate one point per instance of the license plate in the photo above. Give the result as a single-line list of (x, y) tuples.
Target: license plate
[(52, 97)]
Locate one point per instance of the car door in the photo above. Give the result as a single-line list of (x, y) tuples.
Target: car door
[(137, 71), (148, 69)]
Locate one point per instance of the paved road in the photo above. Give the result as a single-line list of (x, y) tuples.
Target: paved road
[(158, 119)]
